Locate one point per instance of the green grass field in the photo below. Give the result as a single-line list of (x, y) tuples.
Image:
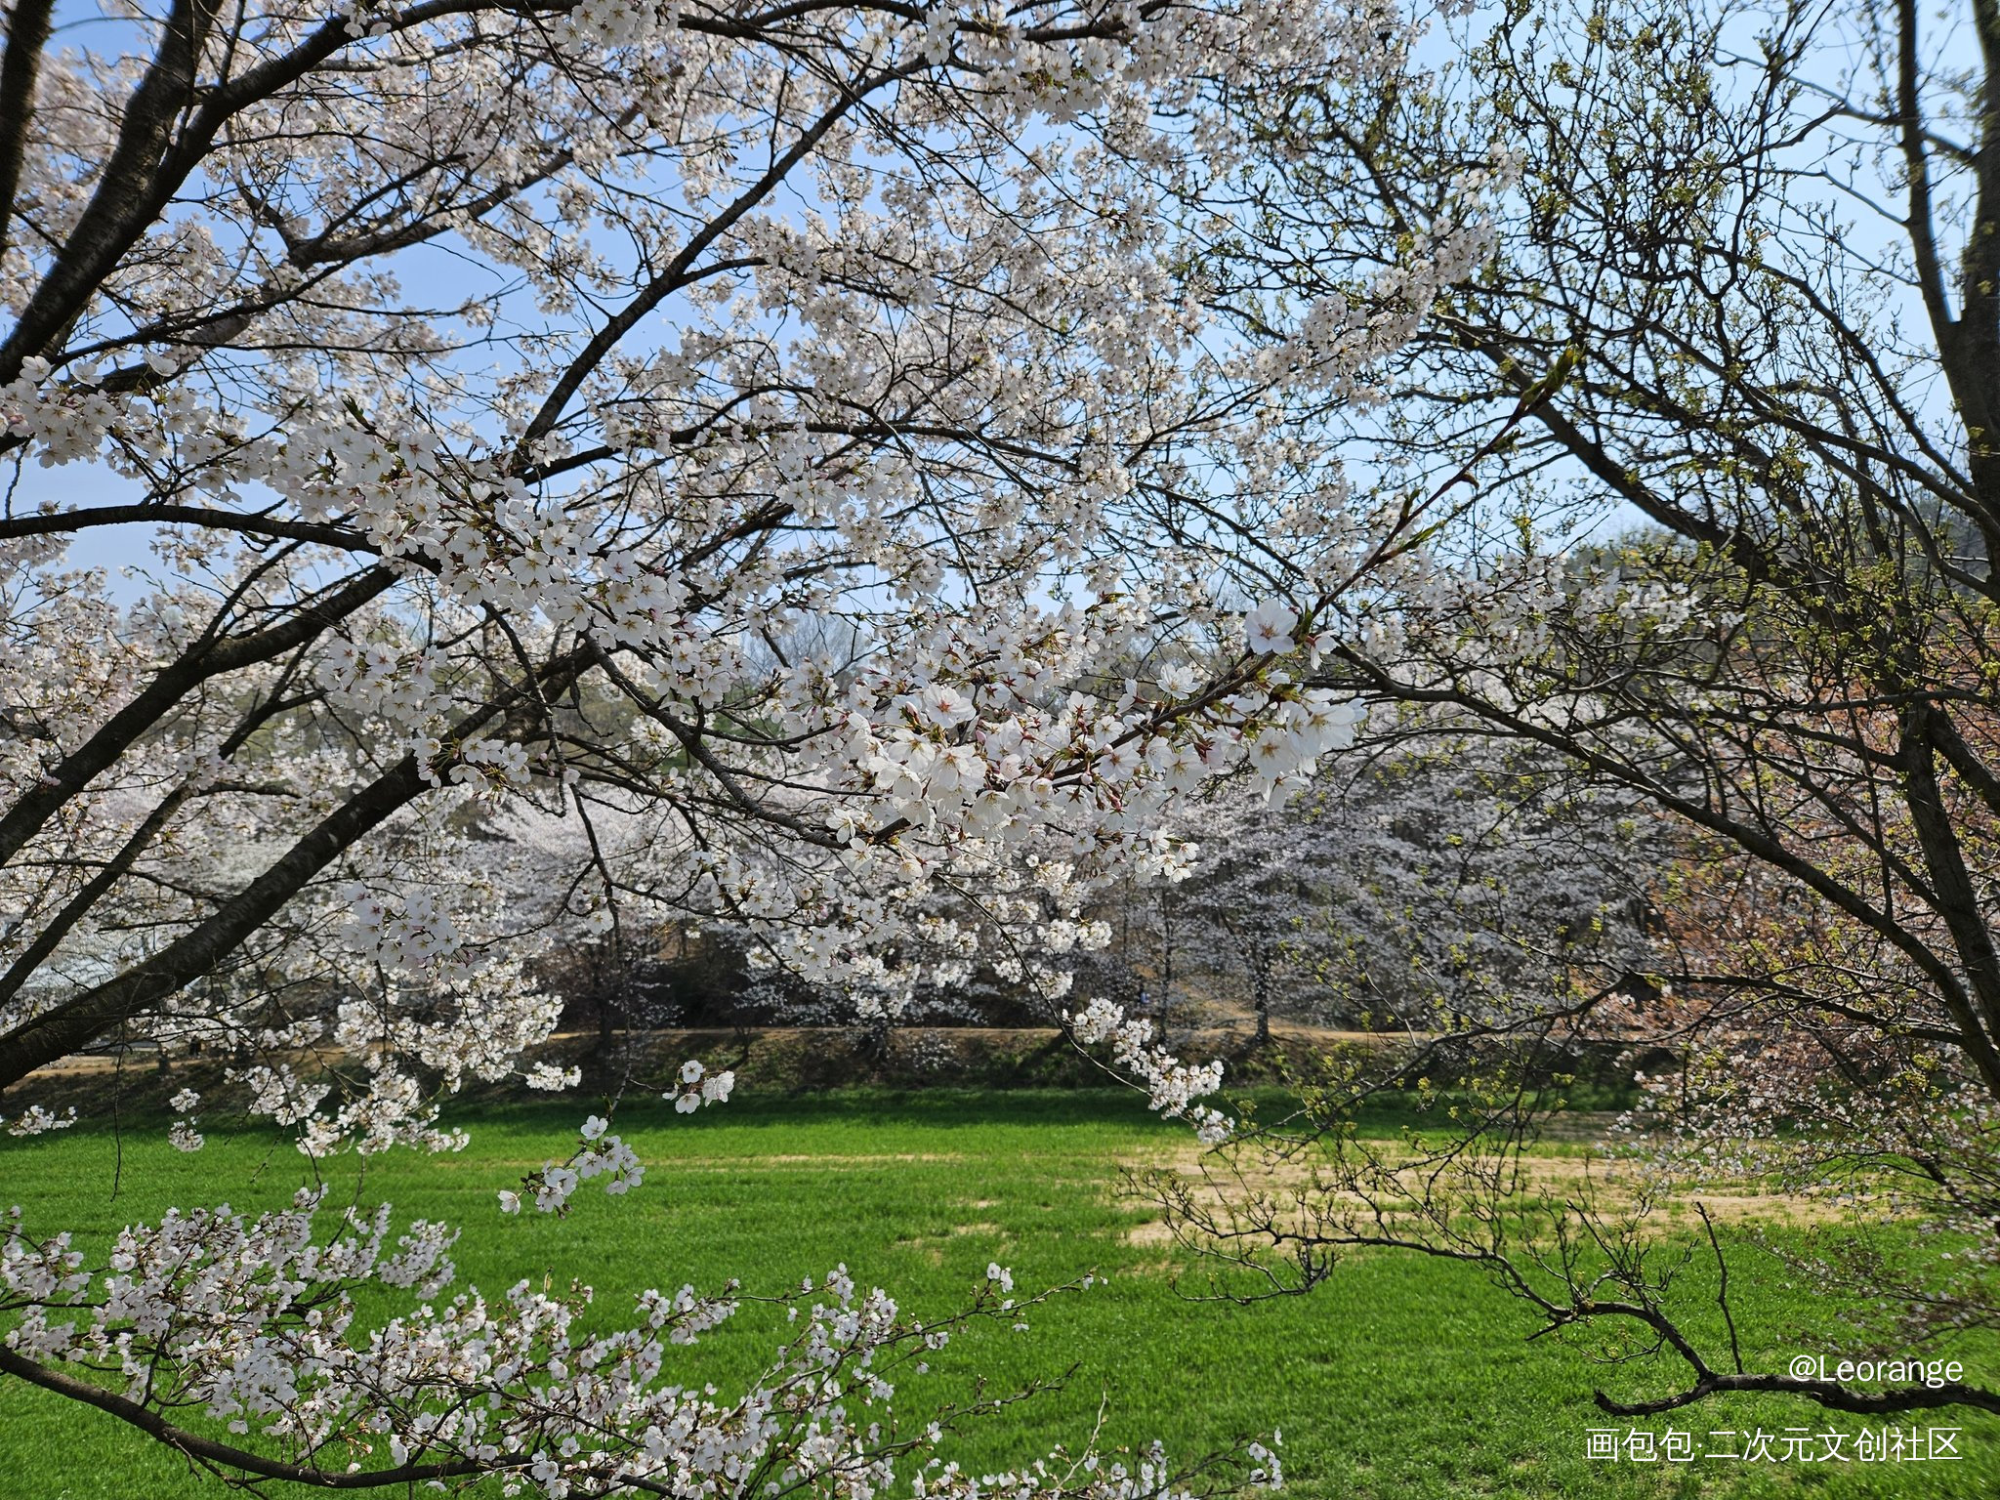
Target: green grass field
[(1400, 1378)]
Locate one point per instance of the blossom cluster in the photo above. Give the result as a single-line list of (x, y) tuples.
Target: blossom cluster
[(1172, 1085), (252, 1321)]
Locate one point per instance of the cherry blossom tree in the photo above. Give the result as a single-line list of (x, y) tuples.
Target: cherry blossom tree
[(791, 448), (1255, 911)]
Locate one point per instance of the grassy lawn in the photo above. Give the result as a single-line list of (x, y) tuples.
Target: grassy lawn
[(1400, 1378)]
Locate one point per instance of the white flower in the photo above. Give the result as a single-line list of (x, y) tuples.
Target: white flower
[(1211, 1126), (691, 1071), (186, 1102), (945, 706), (510, 1203), (594, 1127), (687, 1104), (1268, 628)]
